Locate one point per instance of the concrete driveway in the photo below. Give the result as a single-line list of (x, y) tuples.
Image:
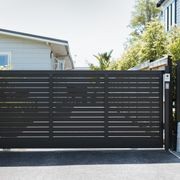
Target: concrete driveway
[(89, 165)]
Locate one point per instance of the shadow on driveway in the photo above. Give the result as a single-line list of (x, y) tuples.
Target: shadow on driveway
[(58, 158)]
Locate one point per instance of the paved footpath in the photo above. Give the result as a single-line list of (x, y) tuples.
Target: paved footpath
[(89, 165)]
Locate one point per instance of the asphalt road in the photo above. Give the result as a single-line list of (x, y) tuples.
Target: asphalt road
[(89, 165)]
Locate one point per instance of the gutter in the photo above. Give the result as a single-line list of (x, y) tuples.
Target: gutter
[(160, 2), (70, 57)]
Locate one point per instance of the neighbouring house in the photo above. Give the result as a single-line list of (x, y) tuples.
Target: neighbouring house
[(170, 14), (22, 51)]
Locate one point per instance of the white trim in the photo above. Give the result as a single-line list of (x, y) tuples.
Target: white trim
[(9, 56), (167, 3), (33, 38)]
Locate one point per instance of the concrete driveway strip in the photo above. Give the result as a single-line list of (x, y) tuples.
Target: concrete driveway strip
[(89, 165)]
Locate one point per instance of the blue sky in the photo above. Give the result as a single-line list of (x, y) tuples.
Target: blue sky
[(90, 26)]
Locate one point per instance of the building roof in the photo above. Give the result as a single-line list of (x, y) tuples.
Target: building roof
[(32, 36), (160, 2)]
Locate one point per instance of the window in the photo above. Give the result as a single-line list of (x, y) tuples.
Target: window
[(61, 65), (58, 64), (4, 60), (170, 15)]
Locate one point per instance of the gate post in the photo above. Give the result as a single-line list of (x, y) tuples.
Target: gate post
[(178, 106), (178, 92), (168, 104)]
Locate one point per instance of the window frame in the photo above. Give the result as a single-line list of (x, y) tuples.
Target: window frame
[(8, 54), (61, 62), (168, 18)]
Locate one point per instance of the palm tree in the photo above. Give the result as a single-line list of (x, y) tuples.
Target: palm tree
[(104, 60)]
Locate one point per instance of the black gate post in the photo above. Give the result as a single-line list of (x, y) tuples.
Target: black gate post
[(178, 92), (168, 104), (177, 106)]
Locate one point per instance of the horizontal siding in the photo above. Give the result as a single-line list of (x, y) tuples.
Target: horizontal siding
[(178, 12), (26, 54)]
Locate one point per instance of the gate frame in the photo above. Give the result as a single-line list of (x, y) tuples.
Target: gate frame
[(168, 104), (50, 112)]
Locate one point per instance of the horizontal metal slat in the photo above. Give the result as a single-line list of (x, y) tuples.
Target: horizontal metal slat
[(133, 129), (17, 134), (131, 103), (79, 134), (22, 90), (144, 85), (23, 80), (67, 109), (134, 119), (25, 85), (22, 123), (92, 118), (131, 134)]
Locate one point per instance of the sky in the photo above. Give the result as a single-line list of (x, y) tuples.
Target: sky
[(90, 26)]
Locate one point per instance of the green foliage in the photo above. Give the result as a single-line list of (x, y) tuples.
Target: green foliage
[(113, 66), (154, 41), (174, 44), (151, 45), (104, 61), (144, 11), (148, 40), (131, 57)]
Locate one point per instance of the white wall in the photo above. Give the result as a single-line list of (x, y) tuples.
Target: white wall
[(178, 12), (26, 54), (164, 16)]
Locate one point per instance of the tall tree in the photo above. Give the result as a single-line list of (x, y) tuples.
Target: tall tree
[(104, 61), (144, 11)]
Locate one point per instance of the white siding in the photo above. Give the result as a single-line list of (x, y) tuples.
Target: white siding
[(26, 54), (167, 4), (178, 12)]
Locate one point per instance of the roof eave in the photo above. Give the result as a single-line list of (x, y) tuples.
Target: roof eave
[(33, 37)]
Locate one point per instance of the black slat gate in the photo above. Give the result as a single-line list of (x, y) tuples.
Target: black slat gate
[(81, 109)]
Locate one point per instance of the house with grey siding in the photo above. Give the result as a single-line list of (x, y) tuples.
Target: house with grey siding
[(22, 51), (170, 14)]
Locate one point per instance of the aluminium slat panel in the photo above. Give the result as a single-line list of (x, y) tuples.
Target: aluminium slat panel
[(27, 94), (80, 109)]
